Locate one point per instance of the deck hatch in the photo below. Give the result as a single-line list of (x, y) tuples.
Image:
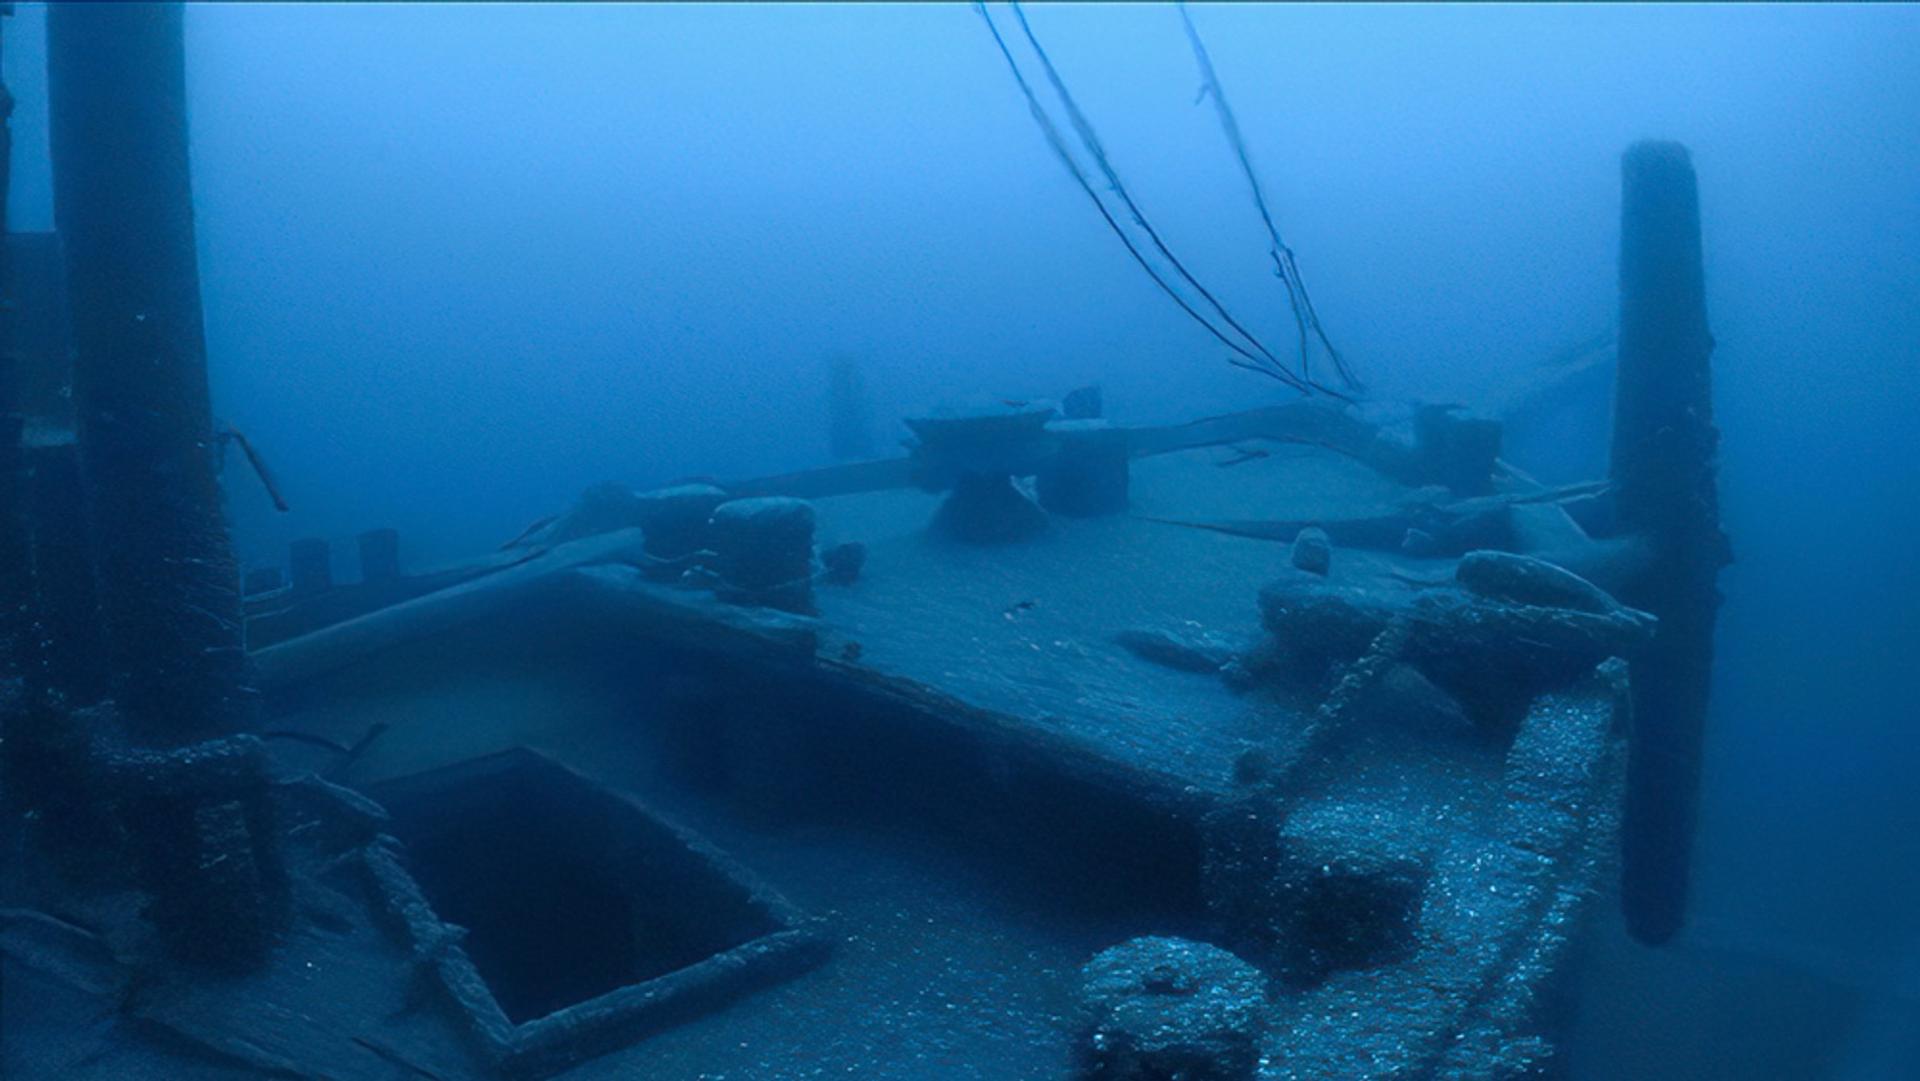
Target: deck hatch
[(589, 920)]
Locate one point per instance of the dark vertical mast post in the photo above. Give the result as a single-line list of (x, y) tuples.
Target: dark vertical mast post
[(13, 526), (124, 208), (1664, 451)]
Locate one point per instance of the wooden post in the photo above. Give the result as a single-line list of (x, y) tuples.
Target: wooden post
[(1663, 466), (13, 529), (169, 590)]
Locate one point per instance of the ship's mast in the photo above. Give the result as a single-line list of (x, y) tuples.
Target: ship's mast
[(13, 529), (169, 596)]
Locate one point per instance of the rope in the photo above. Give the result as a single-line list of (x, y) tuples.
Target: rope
[(1305, 316), (1091, 140), (1263, 361), (1059, 147)]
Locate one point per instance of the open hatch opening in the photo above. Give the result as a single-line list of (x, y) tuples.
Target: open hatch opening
[(581, 906)]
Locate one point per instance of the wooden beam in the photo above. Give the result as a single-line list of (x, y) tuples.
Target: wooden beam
[(1312, 423)]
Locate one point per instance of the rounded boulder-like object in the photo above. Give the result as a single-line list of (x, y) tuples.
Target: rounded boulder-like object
[(1156, 1008)]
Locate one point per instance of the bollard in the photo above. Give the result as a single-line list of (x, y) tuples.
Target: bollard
[(674, 520), (763, 551), (1158, 1008)]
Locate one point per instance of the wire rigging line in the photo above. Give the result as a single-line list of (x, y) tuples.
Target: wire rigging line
[(1258, 358), (1059, 146), (1210, 85), (1304, 314), (1097, 150)]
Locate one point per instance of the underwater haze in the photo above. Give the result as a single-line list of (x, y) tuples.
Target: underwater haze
[(460, 262)]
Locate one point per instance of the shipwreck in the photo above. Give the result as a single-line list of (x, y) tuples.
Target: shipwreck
[(1300, 742)]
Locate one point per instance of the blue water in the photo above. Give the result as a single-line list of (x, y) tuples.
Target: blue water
[(459, 263)]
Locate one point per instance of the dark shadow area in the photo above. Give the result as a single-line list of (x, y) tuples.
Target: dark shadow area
[(1056, 830), (567, 891), (1691, 1011)]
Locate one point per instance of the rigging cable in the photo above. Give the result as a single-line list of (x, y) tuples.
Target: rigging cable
[(1058, 144), (1091, 140), (1304, 314)]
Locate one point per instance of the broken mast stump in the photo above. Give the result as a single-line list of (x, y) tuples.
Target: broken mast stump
[(1663, 471)]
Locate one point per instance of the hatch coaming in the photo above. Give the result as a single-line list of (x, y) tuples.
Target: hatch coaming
[(562, 919)]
